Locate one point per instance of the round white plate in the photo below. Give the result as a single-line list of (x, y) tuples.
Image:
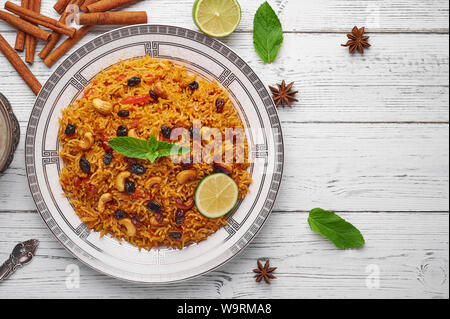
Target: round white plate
[(212, 60)]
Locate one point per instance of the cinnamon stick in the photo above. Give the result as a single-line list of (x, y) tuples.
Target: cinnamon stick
[(30, 41), (86, 3), (53, 57), (105, 5), (40, 19), (61, 5), (24, 26), (112, 18), (20, 38), (52, 42), (21, 67), (54, 37)]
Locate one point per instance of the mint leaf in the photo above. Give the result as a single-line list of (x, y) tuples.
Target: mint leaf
[(152, 157), (153, 143), (343, 234), (168, 149), (131, 147), (150, 150), (267, 33)]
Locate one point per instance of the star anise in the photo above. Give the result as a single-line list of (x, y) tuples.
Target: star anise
[(284, 94), (357, 40), (264, 272)]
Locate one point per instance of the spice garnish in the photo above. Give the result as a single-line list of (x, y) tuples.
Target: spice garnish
[(284, 94), (264, 272), (112, 18), (106, 5), (357, 40), (21, 68), (40, 19), (61, 5)]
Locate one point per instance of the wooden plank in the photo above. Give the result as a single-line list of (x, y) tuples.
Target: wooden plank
[(397, 80), (313, 16), (346, 167), (409, 251)]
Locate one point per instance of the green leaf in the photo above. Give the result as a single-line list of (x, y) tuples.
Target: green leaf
[(153, 143), (343, 234), (168, 149), (150, 150), (131, 147), (267, 33), (153, 156)]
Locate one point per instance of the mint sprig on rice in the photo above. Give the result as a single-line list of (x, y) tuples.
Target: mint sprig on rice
[(150, 149)]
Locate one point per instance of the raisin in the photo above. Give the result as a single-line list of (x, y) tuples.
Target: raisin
[(85, 165), (138, 169), (166, 131), (193, 86), (175, 235), (133, 81), (186, 166), (154, 207), (153, 95), (107, 159), (123, 113), (220, 105), (122, 130), (70, 129), (179, 217), (130, 188), (120, 214)]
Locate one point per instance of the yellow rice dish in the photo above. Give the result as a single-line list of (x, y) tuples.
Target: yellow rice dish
[(147, 204)]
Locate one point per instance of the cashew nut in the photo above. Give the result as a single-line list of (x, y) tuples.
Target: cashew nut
[(132, 133), (87, 142), (120, 181), (153, 181), (102, 107), (105, 198), (160, 92), (186, 176), (131, 229)]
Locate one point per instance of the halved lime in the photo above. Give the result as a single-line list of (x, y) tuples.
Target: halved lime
[(217, 18), (216, 195)]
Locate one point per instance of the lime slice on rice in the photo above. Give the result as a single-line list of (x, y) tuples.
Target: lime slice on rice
[(216, 195), (217, 18)]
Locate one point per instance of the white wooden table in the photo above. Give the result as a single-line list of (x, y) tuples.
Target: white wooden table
[(369, 139)]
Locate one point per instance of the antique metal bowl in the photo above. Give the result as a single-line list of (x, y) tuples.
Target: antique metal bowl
[(9, 133)]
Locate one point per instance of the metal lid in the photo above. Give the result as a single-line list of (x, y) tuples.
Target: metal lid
[(9, 133)]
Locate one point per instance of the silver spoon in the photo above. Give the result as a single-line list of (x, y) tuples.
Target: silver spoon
[(22, 254)]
